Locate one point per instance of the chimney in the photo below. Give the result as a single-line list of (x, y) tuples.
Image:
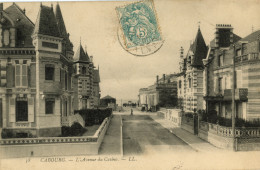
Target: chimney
[(1, 7), (164, 78), (157, 79), (223, 35)]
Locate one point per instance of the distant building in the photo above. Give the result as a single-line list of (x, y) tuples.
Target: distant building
[(42, 80), (163, 93), (190, 79), (107, 100), (218, 74)]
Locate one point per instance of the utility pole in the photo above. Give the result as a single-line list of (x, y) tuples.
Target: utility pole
[(233, 100)]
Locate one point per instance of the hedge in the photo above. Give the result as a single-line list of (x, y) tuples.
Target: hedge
[(212, 117), (94, 116)]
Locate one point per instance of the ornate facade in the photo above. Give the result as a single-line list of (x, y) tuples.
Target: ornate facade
[(190, 79), (42, 80), (224, 50)]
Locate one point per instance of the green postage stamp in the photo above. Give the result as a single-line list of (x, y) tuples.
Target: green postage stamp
[(139, 31)]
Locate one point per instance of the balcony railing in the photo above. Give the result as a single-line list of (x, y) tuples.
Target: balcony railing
[(247, 57), (240, 94)]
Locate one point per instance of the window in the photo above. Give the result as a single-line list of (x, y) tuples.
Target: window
[(220, 85), (84, 84), (21, 109), (6, 37), (220, 60), (189, 82), (21, 78), (49, 72), (49, 105), (66, 80), (84, 70), (180, 84)]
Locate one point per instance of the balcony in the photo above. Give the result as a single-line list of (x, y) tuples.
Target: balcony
[(247, 57), (240, 94)]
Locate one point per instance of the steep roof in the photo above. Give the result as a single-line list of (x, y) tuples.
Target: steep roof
[(46, 23), (199, 49), (252, 37), (80, 55), (96, 76), (62, 27), (60, 21), (23, 25)]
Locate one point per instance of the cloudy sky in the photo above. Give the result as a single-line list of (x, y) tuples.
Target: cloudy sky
[(123, 74)]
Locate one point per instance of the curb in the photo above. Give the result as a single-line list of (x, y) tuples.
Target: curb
[(171, 131)]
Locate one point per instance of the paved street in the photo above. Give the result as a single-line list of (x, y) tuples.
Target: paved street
[(142, 135)]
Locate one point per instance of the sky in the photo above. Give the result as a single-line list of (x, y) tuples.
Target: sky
[(123, 74)]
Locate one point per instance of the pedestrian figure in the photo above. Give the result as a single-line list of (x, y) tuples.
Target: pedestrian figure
[(131, 112)]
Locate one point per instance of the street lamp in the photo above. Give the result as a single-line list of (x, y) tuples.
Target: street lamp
[(233, 100)]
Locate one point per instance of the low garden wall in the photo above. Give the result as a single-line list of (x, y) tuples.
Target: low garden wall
[(173, 115), (219, 136), (54, 146), (245, 138)]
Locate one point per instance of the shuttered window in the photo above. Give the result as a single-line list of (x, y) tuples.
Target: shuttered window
[(21, 75), (6, 37), (12, 110)]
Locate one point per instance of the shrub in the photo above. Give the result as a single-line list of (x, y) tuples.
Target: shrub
[(189, 114), (75, 130), (7, 134), (212, 116)]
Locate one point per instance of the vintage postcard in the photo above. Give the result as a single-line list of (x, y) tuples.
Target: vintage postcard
[(137, 84)]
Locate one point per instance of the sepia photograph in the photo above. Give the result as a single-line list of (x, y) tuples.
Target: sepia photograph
[(130, 84)]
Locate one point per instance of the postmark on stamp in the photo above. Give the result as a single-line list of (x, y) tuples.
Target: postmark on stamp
[(139, 32)]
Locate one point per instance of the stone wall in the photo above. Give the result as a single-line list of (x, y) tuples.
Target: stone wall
[(54, 146)]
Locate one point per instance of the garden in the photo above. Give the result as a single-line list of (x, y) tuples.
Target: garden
[(212, 117)]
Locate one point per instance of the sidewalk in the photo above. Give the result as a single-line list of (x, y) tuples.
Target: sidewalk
[(194, 141), (111, 144)]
